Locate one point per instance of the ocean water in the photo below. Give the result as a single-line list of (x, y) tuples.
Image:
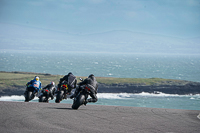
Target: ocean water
[(183, 67), (187, 102)]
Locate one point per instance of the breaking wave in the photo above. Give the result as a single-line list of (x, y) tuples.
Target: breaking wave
[(111, 96), (144, 94), (13, 98)]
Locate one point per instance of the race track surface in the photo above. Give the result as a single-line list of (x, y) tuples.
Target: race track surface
[(21, 117)]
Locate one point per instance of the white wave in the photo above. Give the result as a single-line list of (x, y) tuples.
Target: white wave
[(132, 95), (160, 94), (111, 96), (13, 98)]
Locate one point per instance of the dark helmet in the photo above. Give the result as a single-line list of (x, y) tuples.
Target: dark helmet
[(69, 73), (91, 75)]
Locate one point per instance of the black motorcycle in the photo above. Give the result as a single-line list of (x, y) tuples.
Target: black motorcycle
[(61, 92), (81, 97), (28, 94), (44, 97)]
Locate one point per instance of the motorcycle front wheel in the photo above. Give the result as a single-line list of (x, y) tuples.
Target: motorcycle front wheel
[(59, 96), (78, 101), (42, 99), (28, 96)]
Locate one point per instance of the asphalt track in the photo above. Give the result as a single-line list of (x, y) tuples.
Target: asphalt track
[(21, 117)]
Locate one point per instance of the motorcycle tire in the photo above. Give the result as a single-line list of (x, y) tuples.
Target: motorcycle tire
[(28, 96), (59, 96), (78, 101), (42, 99)]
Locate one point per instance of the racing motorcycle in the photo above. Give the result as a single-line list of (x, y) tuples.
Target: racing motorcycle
[(44, 97), (81, 97), (61, 92), (28, 94)]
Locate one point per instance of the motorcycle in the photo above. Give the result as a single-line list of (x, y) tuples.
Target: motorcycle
[(28, 94), (61, 93), (81, 97), (44, 97)]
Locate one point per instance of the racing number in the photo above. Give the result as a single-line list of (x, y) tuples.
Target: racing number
[(36, 85)]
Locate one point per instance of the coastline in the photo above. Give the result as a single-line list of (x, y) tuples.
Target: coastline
[(13, 83)]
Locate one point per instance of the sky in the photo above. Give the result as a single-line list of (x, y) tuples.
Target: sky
[(177, 18)]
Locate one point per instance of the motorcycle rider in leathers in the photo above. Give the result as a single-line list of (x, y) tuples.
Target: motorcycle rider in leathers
[(71, 83), (51, 87), (92, 84), (34, 85)]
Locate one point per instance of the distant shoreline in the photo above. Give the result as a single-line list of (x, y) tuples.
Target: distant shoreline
[(13, 83)]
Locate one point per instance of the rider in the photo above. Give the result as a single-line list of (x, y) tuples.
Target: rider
[(34, 86), (92, 84), (71, 82), (51, 87)]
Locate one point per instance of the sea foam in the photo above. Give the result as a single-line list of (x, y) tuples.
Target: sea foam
[(13, 98), (112, 96), (133, 95)]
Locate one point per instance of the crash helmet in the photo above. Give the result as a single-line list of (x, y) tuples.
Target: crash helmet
[(69, 73), (37, 78), (90, 75), (52, 83)]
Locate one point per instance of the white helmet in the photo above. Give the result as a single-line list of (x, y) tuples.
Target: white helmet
[(37, 78), (52, 83)]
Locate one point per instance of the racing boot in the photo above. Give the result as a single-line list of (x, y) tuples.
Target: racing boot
[(52, 97), (72, 96), (65, 96), (33, 94), (25, 93), (86, 101)]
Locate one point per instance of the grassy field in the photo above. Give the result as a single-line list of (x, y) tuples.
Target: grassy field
[(12, 80)]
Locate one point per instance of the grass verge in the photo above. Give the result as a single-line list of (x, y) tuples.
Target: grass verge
[(12, 80)]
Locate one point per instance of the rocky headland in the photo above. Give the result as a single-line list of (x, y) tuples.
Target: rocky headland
[(181, 89), (13, 83), (190, 88)]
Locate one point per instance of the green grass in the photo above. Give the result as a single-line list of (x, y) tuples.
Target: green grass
[(20, 79), (14, 79)]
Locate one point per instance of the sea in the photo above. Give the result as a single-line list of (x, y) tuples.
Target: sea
[(119, 65)]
